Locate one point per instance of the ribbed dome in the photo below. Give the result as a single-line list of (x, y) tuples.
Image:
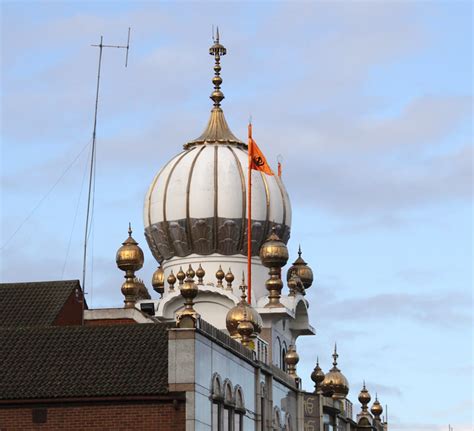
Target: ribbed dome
[(197, 202)]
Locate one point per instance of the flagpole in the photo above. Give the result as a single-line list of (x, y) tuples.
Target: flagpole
[(249, 218)]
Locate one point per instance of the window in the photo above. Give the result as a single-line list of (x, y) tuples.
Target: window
[(229, 406), (263, 413), (276, 425), (240, 409), (217, 400)]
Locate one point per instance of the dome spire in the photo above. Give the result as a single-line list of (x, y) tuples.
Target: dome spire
[(217, 50), (217, 129)]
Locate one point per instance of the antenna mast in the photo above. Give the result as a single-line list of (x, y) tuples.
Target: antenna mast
[(90, 200)]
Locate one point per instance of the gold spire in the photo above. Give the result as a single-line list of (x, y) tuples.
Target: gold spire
[(220, 274), (291, 359), (217, 129), (171, 281), (317, 376), (130, 258), (217, 50), (188, 317)]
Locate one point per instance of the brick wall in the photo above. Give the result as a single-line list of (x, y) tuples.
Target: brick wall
[(155, 415)]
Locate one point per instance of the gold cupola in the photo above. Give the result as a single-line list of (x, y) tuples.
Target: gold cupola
[(317, 376), (302, 270), (335, 384), (243, 312), (130, 259)]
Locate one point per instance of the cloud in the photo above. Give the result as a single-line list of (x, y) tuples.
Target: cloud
[(449, 310)]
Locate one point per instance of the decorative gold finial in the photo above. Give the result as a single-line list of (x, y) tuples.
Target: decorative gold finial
[(158, 281), (229, 278), (303, 271), (291, 359), (217, 50), (240, 317), (364, 399), (190, 272), (130, 258), (180, 276), (200, 275), (274, 255), (317, 376), (188, 317), (335, 356), (171, 281), (376, 408), (220, 274)]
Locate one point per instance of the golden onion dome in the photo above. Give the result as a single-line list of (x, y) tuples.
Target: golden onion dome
[(242, 312), (376, 408), (335, 383), (273, 252), (129, 256), (302, 270), (317, 376), (158, 281), (364, 396)]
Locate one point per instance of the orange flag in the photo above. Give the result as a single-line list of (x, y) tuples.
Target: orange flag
[(257, 160)]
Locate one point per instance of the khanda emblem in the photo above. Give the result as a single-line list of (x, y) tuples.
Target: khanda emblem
[(258, 161)]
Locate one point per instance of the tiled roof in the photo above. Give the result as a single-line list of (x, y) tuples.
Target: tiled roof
[(83, 361), (32, 304)]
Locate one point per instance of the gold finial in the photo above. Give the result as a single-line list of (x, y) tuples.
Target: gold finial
[(274, 255), (229, 277), (220, 276), (376, 408), (200, 274), (130, 258), (243, 289), (317, 376), (217, 50), (188, 317), (364, 399), (335, 356), (180, 276), (158, 281), (190, 272), (171, 281), (291, 359), (303, 271)]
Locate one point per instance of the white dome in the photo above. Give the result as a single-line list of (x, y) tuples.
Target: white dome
[(197, 203)]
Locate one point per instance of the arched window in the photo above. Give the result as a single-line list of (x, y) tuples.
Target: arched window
[(229, 406), (217, 400), (240, 409), (283, 354)]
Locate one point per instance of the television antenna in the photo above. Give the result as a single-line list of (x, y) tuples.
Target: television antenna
[(90, 195)]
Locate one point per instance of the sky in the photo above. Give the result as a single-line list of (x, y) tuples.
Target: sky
[(368, 105)]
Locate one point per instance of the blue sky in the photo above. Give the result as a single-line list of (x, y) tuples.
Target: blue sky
[(368, 103)]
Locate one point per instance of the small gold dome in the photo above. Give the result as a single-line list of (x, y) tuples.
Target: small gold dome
[(292, 357), (376, 408), (302, 270), (317, 376), (335, 383), (181, 275), (273, 252), (364, 396), (158, 281), (129, 255), (240, 312)]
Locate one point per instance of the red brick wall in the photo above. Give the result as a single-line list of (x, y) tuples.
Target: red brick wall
[(71, 313), (157, 416)]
